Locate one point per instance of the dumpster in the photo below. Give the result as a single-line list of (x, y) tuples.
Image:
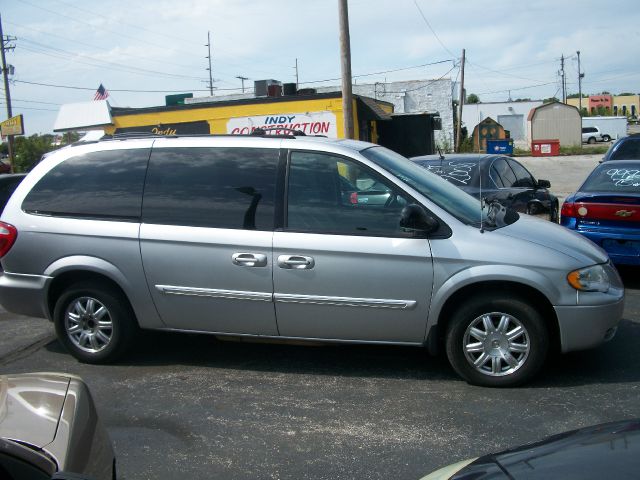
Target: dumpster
[(504, 146), (545, 148)]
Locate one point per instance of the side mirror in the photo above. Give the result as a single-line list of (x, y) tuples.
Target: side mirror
[(415, 219), (544, 184)]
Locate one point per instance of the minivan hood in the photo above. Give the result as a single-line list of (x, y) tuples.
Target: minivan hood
[(555, 237), (30, 407)]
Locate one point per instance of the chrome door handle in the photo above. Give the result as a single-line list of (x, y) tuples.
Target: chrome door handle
[(297, 262), (249, 259)]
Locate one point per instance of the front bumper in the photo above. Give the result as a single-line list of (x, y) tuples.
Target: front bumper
[(24, 294), (587, 326)]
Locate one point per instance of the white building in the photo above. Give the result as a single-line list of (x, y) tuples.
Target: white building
[(511, 115)]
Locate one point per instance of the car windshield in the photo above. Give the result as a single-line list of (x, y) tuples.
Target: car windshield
[(458, 172), (605, 178), (455, 201)]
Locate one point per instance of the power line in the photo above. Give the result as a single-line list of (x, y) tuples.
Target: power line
[(379, 73), (519, 88), (119, 34), (33, 101), (107, 62), (502, 73), (427, 84), (97, 47), (70, 87), (93, 13), (432, 30)]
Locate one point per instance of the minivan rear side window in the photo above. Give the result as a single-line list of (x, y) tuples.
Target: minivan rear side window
[(211, 187), (102, 185)]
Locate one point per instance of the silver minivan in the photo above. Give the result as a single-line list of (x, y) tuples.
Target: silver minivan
[(301, 238)]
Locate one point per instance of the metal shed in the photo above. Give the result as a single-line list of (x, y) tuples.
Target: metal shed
[(556, 120)]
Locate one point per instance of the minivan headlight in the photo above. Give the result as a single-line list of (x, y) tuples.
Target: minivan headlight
[(590, 279)]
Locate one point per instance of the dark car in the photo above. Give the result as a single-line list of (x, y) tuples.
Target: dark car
[(606, 210), (625, 148), (609, 450), (8, 183), (495, 177)]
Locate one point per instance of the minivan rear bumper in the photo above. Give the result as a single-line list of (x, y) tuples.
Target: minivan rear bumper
[(24, 294), (583, 327)]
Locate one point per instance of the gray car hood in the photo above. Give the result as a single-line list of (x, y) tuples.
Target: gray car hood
[(30, 407), (555, 237)]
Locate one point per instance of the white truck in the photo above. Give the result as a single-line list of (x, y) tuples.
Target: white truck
[(603, 129)]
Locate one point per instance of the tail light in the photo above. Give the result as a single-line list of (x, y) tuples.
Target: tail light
[(568, 210), (8, 235), (602, 211)]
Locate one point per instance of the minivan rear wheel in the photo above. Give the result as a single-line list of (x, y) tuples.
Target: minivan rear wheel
[(94, 322), (496, 341)]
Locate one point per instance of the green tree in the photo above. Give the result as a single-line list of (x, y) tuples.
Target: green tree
[(29, 150), (473, 98), (550, 100)]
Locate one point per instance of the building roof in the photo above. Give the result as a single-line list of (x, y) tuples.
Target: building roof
[(372, 105), (533, 111)]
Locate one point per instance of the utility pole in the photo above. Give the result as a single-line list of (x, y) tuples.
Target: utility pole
[(460, 103), (208, 45), (564, 84), (242, 79), (580, 77), (296, 67), (7, 93), (345, 60)]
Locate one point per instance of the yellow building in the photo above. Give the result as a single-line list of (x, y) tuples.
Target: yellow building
[(621, 105), (313, 114), (626, 105)]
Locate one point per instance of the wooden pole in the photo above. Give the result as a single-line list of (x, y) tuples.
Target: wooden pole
[(460, 104), (345, 59)]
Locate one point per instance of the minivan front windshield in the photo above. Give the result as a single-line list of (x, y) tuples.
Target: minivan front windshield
[(455, 201)]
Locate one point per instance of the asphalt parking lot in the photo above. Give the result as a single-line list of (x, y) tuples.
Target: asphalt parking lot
[(186, 406)]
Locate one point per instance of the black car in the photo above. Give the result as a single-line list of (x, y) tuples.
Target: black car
[(625, 148), (609, 450), (8, 183), (495, 178)]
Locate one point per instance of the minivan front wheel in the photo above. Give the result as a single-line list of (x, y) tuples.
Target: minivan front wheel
[(94, 322), (496, 341)]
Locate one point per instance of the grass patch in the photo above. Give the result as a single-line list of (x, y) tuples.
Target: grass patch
[(572, 150)]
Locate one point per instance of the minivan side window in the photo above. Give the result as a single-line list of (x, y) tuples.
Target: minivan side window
[(101, 185), (333, 195), (211, 187)]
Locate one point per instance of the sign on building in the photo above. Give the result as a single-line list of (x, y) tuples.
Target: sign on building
[(311, 123), (12, 126)]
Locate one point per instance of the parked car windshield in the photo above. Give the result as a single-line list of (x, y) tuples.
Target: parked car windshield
[(614, 179), (458, 203), (626, 150)]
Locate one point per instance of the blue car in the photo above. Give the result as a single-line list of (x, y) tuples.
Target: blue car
[(626, 148), (606, 210)]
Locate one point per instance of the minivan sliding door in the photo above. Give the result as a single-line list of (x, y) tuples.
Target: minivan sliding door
[(206, 236)]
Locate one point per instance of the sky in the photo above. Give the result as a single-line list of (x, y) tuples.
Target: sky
[(154, 48)]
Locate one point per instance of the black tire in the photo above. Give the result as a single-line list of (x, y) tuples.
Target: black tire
[(554, 215), (606, 138), (591, 140), (535, 336), (121, 334)]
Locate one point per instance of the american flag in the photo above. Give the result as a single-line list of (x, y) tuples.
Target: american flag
[(101, 93)]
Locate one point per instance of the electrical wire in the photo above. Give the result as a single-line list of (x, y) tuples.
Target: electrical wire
[(119, 34), (107, 62), (432, 30), (377, 73), (426, 84)]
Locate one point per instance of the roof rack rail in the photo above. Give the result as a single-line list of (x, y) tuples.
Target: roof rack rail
[(263, 131), (124, 135)]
